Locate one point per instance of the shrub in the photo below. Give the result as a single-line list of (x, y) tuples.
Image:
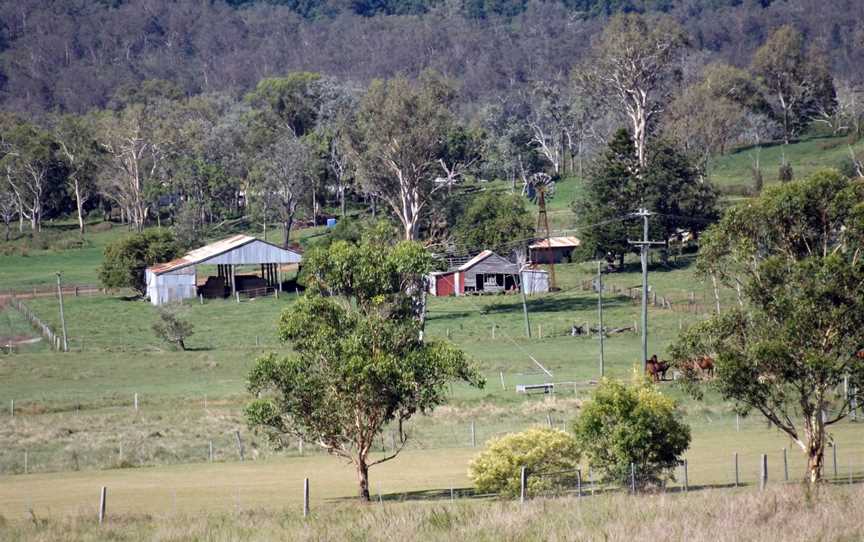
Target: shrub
[(125, 259), (636, 424), (497, 468), (785, 173), (171, 327), (758, 180)]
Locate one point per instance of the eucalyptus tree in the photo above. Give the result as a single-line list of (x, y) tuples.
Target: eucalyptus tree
[(790, 350), (399, 137), (632, 67), (797, 84), (359, 363), (28, 157), (76, 140)]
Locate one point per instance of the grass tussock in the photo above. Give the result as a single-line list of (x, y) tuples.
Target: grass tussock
[(789, 513)]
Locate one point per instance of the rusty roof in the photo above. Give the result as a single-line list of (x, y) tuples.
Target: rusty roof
[(557, 242)]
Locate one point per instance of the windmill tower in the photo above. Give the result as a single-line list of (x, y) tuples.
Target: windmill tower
[(539, 188)]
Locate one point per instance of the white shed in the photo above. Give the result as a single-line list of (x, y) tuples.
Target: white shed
[(534, 281), (177, 279)]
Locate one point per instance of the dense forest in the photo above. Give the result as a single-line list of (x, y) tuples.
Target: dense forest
[(204, 113), (72, 55)]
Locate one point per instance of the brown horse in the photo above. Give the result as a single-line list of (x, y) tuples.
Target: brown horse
[(656, 369), (703, 365)]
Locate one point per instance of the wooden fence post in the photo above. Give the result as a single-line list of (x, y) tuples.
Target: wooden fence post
[(834, 449), (686, 481), (579, 482), (736, 469), (210, 452), (239, 445), (305, 497), (763, 474), (785, 466), (523, 485), (103, 503), (473, 435), (501, 374), (632, 478)]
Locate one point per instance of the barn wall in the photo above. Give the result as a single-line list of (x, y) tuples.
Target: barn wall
[(171, 287), (256, 252), (445, 284), (553, 255), (535, 282), (491, 265)]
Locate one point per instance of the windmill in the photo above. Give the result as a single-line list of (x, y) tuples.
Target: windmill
[(540, 187)]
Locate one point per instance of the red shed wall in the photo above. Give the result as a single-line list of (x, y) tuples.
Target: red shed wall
[(444, 285)]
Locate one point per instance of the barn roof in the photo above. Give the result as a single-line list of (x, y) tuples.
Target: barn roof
[(214, 250), (475, 260), (557, 242)]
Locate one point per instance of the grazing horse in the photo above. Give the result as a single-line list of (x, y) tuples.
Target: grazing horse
[(656, 368), (703, 365)]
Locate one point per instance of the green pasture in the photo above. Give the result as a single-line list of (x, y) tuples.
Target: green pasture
[(806, 157)]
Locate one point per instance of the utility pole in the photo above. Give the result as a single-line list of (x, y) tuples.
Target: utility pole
[(644, 246), (524, 304), (600, 314), (62, 317)]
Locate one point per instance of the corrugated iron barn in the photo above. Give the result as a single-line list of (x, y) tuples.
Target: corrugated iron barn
[(553, 250), (485, 273), (178, 279)]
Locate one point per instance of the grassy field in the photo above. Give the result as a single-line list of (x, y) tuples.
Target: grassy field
[(787, 513), (806, 157)]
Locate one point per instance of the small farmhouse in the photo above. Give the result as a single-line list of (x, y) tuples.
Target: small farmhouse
[(485, 273), (553, 249), (178, 279)]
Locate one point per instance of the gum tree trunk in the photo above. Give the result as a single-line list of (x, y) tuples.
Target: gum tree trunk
[(814, 431), (363, 479)]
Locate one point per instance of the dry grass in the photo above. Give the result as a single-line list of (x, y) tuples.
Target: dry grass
[(788, 513)]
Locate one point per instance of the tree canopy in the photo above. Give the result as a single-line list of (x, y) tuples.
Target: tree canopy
[(794, 254), (126, 259), (359, 363), (495, 221), (669, 186)]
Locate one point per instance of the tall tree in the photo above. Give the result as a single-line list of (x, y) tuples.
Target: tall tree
[(358, 364), (289, 103), (797, 86), (795, 254), (631, 68), (8, 205), (398, 139), (28, 156), (76, 140), (668, 185), (282, 177), (133, 161)]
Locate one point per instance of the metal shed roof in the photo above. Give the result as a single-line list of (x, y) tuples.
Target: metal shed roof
[(271, 254), (557, 242), (475, 260)]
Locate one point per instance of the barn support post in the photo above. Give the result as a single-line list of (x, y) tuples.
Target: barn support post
[(233, 272)]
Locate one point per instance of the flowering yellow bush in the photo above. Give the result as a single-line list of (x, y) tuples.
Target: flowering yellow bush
[(550, 455)]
